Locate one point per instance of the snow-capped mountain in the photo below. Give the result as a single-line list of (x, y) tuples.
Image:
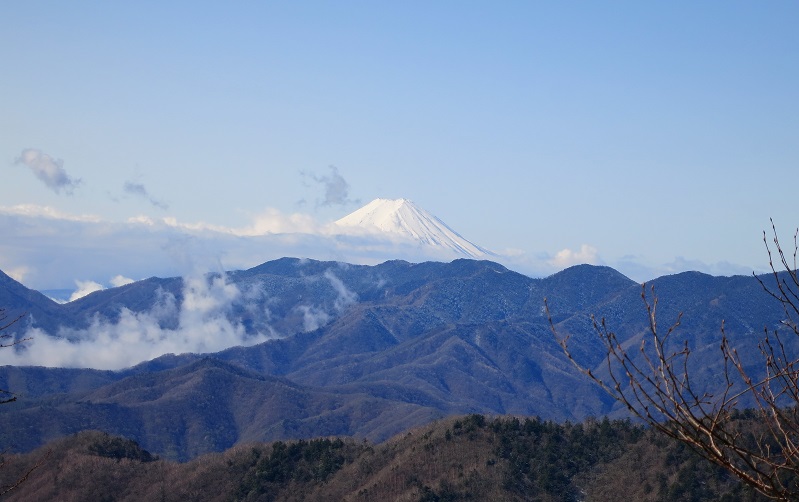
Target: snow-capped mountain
[(403, 218)]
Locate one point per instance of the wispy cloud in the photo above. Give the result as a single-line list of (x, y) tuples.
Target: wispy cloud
[(269, 221), (49, 170), (139, 190), (344, 296), (336, 189), (314, 316), (36, 211)]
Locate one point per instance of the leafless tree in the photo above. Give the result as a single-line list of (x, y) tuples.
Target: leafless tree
[(6, 396), (654, 383), (8, 340)]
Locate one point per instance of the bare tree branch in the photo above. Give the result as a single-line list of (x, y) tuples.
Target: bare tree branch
[(8, 397), (654, 383)]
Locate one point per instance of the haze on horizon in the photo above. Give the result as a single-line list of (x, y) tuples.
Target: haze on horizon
[(154, 139)]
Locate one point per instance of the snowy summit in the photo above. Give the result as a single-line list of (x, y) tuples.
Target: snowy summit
[(403, 218)]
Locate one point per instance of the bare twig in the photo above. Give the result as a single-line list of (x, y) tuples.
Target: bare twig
[(654, 383), (5, 324)]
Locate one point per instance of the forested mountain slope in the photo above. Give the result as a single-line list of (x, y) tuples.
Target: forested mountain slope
[(367, 352)]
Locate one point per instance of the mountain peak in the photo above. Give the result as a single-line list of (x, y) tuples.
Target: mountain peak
[(404, 218)]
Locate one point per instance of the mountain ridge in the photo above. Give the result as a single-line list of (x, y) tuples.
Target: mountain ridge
[(396, 345)]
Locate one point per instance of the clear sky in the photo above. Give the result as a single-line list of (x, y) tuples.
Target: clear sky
[(654, 137)]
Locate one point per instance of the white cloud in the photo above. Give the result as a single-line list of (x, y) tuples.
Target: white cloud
[(567, 257), (203, 325), (36, 211), (85, 288), (269, 221), (17, 273), (272, 221), (120, 280), (50, 171)]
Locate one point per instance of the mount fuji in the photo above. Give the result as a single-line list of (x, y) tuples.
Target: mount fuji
[(404, 219)]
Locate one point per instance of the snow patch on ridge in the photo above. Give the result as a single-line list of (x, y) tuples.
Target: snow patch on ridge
[(403, 218)]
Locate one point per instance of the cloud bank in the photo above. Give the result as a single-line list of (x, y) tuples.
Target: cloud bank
[(48, 249), (57, 249), (50, 171), (204, 324), (207, 316)]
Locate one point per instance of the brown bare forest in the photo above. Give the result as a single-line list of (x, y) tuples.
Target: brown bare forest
[(465, 458)]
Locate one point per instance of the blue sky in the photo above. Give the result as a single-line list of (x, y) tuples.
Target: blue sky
[(651, 137)]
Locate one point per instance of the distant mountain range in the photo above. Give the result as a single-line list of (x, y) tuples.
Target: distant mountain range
[(365, 351)]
